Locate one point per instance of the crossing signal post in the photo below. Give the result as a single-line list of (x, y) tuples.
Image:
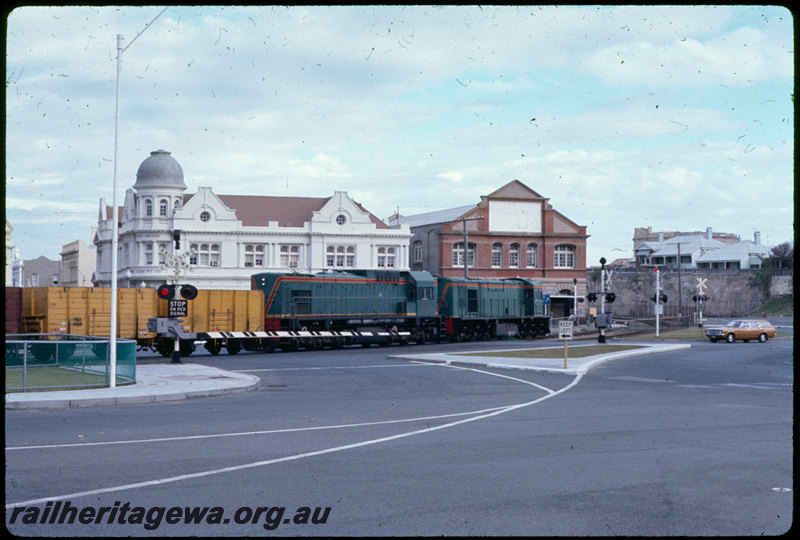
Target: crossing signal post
[(604, 320), (601, 338), (177, 308), (659, 298), (700, 301)]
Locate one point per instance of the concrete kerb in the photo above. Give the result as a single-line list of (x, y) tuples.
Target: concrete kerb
[(574, 365), (154, 383)]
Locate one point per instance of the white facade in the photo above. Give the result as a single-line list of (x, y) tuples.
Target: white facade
[(9, 253), (224, 239)]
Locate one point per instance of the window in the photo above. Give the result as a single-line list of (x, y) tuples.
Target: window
[(205, 216), (162, 250), (458, 254), (162, 208), (417, 251), (341, 219), (290, 256), (513, 256), (148, 208), (148, 254), (204, 254), (564, 256), (340, 256), (497, 255), (253, 255), (531, 256), (386, 257)]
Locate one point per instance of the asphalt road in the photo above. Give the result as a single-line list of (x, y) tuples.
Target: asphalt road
[(349, 442)]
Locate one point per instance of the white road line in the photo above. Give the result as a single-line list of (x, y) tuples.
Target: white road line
[(201, 474), (245, 433)]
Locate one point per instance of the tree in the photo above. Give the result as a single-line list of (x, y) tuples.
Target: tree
[(783, 256)]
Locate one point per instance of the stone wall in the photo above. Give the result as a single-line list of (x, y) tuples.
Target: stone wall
[(728, 292)]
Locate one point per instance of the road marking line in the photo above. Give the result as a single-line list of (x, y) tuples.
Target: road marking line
[(235, 468)]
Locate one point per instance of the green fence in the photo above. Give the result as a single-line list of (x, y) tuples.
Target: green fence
[(36, 362)]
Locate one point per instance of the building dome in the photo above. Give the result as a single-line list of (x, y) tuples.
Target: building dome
[(159, 170)]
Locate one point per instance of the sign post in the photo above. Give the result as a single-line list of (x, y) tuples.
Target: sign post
[(565, 333)]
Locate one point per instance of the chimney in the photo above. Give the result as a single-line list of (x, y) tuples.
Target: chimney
[(660, 237), (709, 236), (757, 238)]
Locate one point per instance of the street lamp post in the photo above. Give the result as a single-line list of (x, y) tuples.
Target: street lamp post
[(115, 211)]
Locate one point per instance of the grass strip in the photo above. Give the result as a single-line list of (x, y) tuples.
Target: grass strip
[(557, 352)]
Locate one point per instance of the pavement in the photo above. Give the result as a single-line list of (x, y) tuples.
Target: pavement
[(173, 382)]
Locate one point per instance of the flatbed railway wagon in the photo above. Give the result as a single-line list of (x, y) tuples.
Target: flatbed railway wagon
[(86, 311)]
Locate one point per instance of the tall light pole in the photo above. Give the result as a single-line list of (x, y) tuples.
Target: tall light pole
[(112, 359)]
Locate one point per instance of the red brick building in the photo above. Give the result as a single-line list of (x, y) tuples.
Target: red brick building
[(512, 232)]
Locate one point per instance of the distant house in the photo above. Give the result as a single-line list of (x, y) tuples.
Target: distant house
[(698, 251), (38, 272), (78, 263)]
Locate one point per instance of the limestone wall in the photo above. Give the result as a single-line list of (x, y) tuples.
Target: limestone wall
[(728, 292)]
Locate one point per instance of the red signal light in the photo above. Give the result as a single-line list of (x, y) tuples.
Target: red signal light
[(165, 291)]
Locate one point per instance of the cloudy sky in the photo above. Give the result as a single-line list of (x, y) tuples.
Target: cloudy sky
[(676, 118)]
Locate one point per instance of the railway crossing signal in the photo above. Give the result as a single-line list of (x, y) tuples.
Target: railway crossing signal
[(188, 292), (166, 291)]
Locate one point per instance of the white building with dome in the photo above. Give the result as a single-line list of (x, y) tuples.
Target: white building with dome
[(224, 239)]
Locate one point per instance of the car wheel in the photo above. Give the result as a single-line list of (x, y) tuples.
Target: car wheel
[(730, 338), (762, 338), (713, 339)]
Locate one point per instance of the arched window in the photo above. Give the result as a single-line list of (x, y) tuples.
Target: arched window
[(564, 256), (162, 208), (531, 256), (386, 257), (148, 208), (497, 255), (340, 256), (513, 256), (253, 255), (417, 251), (290, 256)]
